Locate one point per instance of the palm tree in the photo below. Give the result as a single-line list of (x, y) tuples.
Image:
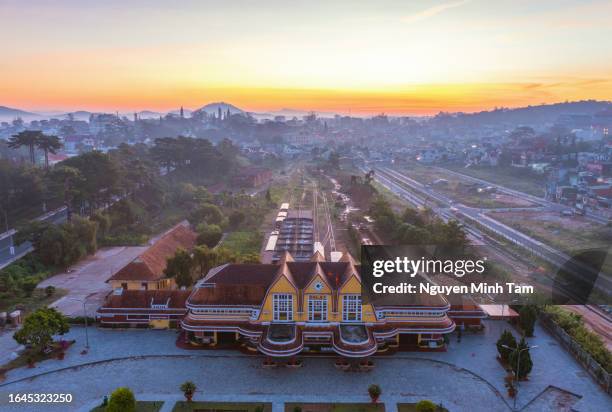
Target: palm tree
[(48, 144), (27, 138)]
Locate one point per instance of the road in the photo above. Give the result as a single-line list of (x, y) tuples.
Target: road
[(9, 252), (474, 218)]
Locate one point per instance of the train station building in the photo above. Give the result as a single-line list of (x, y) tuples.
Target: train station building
[(292, 307)]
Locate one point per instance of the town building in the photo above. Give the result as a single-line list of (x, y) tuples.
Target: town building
[(158, 309), (146, 271), (291, 307)]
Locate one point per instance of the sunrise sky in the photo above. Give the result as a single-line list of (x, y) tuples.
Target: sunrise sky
[(398, 57)]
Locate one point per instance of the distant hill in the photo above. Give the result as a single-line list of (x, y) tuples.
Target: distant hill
[(533, 115), (8, 114), (148, 114), (78, 115), (214, 108)]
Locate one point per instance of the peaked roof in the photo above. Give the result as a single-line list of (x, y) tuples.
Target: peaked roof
[(247, 284), (143, 299), (317, 257), (150, 264)]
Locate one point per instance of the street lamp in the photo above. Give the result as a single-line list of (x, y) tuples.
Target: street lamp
[(518, 364), (83, 301)]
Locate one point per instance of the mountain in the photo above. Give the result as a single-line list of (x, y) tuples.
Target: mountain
[(148, 114), (8, 114), (531, 115), (78, 115), (214, 108)]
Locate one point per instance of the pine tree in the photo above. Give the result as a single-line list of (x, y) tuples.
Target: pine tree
[(524, 362), (506, 339)]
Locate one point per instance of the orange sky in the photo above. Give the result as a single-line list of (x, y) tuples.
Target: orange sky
[(394, 57)]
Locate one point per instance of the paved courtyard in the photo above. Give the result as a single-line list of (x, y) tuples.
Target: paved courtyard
[(86, 279), (466, 378)]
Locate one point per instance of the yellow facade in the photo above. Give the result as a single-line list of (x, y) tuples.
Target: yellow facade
[(284, 286), (159, 323)]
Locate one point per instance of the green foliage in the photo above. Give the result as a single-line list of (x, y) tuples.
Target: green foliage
[(574, 326), (236, 218), (188, 387), (61, 245), (425, 406), (50, 291), (528, 315), (524, 361), (416, 227), (374, 390), (179, 267), (207, 213), (205, 258), (21, 277), (506, 339), (40, 326), (121, 400), (209, 235)]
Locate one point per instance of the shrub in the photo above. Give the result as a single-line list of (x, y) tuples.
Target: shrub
[(528, 315), (425, 406), (121, 400), (374, 391), (591, 343), (188, 387), (50, 291), (506, 339), (524, 362)]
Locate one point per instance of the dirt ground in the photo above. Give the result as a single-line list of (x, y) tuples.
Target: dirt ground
[(462, 190), (565, 232), (86, 280)]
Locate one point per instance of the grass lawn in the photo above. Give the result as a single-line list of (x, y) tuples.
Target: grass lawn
[(510, 177), (336, 407), (220, 407), (243, 242), (37, 300), (141, 406)]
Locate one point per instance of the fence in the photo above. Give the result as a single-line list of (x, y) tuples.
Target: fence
[(592, 367)]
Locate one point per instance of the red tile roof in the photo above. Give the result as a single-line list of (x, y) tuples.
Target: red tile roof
[(150, 265), (142, 299)]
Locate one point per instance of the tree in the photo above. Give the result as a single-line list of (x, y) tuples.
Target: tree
[(48, 144), (209, 235), (179, 267), (121, 400), (40, 326), (207, 213), (527, 318), (374, 391), (28, 138), (522, 356), (268, 196), (506, 339), (236, 218), (425, 406), (188, 388), (68, 178)]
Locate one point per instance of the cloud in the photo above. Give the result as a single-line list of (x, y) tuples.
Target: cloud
[(432, 11)]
